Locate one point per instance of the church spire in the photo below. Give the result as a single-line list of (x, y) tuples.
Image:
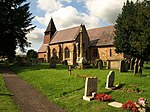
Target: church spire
[(50, 30)]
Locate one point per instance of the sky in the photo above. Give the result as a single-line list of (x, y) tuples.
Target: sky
[(70, 13)]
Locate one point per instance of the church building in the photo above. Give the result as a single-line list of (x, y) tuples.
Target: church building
[(77, 45)]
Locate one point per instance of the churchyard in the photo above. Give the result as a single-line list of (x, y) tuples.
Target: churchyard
[(67, 91)]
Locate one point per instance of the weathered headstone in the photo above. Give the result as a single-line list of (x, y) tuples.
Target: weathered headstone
[(90, 88), (64, 62), (140, 67), (53, 61), (126, 64), (136, 66), (132, 64), (33, 61), (100, 64), (122, 66), (110, 80)]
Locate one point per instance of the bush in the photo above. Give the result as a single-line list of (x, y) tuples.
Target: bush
[(6, 63)]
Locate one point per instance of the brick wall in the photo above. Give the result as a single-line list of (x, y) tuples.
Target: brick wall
[(42, 56), (60, 48), (105, 53)]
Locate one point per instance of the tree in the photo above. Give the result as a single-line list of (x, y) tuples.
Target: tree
[(132, 35), (15, 23), (32, 54)]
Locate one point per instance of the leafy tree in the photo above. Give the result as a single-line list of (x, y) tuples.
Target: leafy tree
[(132, 35), (15, 23), (32, 54)]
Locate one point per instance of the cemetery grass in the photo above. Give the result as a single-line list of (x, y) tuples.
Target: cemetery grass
[(67, 91), (6, 102)]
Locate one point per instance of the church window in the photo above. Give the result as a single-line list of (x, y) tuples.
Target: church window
[(67, 53)]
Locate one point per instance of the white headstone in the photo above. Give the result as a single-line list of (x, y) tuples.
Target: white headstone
[(110, 79)]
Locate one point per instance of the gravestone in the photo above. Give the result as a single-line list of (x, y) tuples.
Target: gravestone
[(126, 64), (132, 64), (64, 62), (110, 80), (100, 64), (33, 61), (136, 66), (90, 88), (122, 66), (140, 67), (53, 61), (69, 69)]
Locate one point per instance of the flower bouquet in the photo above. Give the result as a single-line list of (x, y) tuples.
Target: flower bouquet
[(103, 97), (130, 105)]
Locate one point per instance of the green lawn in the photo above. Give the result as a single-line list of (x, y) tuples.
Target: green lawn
[(6, 102), (67, 91)]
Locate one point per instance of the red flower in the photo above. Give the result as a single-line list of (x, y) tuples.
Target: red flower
[(129, 105), (103, 97)]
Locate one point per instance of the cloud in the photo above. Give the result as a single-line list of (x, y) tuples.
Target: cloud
[(36, 35), (67, 17), (49, 5), (68, 1), (107, 10)]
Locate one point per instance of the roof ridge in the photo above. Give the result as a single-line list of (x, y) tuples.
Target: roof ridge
[(101, 27), (69, 28)]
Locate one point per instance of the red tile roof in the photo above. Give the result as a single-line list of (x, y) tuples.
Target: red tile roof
[(43, 48), (66, 35), (101, 36)]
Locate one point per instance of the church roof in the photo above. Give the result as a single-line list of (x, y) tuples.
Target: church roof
[(66, 35), (101, 36), (43, 48)]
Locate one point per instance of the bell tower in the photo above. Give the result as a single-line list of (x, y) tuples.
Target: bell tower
[(50, 30)]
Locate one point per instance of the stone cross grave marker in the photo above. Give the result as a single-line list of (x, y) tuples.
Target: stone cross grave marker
[(110, 80), (90, 88), (69, 69)]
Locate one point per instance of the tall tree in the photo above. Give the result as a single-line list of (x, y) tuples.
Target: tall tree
[(132, 35), (15, 23)]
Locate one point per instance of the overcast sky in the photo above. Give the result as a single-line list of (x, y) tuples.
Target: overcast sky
[(69, 13)]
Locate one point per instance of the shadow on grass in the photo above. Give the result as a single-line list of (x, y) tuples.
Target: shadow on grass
[(147, 67), (18, 69), (65, 93), (143, 75), (6, 94)]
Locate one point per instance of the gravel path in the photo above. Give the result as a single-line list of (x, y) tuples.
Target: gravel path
[(27, 97)]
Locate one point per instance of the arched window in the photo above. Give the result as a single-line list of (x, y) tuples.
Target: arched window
[(67, 53), (54, 52)]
